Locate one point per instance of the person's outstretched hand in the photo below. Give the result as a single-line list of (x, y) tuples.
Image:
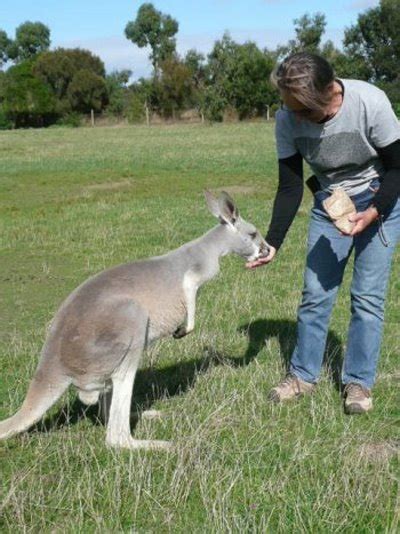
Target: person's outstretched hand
[(262, 261)]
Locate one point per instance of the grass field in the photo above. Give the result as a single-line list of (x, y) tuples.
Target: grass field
[(74, 202)]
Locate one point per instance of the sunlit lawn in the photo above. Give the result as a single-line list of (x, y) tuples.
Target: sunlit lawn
[(75, 201)]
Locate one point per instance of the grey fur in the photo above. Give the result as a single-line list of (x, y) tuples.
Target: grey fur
[(101, 330)]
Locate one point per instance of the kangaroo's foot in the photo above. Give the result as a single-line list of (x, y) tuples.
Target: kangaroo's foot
[(153, 414), (134, 444)]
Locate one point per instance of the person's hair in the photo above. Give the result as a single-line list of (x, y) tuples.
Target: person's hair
[(308, 77)]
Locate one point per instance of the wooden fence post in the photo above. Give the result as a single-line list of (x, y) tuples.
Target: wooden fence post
[(146, 107)]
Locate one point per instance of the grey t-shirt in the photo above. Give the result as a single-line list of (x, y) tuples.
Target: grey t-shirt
[(342, 151)]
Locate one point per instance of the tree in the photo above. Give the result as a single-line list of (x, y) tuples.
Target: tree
[(142, 97), (5, 43), (153, 28), (392, 89), (343, 64), (60, 68), (27, 101), (87, 91), (116, 84), (215, 103), (56, 69), (374, 41), (195, 62), (175, 86), (250, 92), (219, 68), (31, 38), (309, 30), (86, 60), (237, 78)]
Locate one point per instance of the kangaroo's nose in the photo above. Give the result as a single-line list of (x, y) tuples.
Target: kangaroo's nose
[(264, 249)]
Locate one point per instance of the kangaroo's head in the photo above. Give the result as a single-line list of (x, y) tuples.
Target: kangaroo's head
[(242, 237)]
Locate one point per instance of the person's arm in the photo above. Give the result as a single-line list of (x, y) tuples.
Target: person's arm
[(286, 204), (383, 132), (287, 199), (389, 190)]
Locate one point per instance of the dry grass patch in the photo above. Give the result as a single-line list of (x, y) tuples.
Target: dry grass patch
[(380, 452)]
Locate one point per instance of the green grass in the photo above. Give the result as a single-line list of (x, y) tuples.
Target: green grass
[(74, 202)]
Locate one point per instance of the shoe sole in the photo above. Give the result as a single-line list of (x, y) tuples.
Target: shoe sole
[(355, 409), (274, 397)]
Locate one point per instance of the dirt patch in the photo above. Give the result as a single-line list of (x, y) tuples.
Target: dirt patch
[(238, 189), (110, 186), (380, 452)]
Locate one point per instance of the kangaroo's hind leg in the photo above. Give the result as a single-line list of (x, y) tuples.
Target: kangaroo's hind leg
[(118, 425)]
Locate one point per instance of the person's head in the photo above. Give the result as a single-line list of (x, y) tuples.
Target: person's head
[(306, 83)]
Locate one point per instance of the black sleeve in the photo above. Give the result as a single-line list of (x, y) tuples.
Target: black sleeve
[(389, 190), (287, 199)]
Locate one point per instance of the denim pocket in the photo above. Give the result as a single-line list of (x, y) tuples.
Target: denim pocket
[(319, 197), (363, 200)]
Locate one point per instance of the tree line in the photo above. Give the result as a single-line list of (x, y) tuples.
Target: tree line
[(43, 86)]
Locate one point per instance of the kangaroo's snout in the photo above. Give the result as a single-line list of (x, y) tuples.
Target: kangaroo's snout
[(264, 250), (261, 251)]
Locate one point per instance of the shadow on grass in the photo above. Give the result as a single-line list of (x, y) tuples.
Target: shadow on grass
[(150, 385), (153, 384), (261, 330)]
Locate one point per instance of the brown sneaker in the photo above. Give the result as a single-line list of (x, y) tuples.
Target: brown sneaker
[(357, 399), (291, 387)]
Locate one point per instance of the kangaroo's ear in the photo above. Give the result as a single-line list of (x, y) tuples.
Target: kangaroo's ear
[(213, 204), (228, 210)]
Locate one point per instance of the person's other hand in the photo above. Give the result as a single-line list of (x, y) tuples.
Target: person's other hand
[(363, 219), (262, 261)]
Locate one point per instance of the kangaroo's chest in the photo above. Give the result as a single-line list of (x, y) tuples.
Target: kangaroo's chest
[(166, 311)]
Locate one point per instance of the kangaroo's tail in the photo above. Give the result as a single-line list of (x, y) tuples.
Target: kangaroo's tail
[(47, 386)]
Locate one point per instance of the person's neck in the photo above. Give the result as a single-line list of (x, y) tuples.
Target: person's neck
[(336, 101)]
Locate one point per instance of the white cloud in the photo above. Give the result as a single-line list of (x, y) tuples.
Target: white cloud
[(267, 38), (358, 5), (118, 53)]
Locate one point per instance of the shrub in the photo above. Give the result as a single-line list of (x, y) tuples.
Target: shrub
[(5, 123), (27, 101), (135, 111), (72, 120)]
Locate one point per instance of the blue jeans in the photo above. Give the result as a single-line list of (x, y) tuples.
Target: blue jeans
[(327, 256)]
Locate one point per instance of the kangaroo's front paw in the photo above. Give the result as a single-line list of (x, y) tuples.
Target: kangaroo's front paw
[(181, 332)]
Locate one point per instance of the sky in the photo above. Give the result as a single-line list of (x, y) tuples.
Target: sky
[(98, 25)]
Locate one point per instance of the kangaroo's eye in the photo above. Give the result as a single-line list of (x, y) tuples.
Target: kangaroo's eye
[(253, 235)]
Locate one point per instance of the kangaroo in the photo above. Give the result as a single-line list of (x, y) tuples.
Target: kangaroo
[(101, 330)]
